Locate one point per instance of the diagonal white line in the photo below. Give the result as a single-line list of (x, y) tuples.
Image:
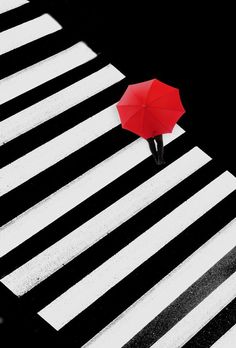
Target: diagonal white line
[(44, 156), (27, 32), (7, 5), (146, 308), (229, 338), (64, 308), (51, 208), (43, 71), (50, 260), (186, 328), (57, 103)]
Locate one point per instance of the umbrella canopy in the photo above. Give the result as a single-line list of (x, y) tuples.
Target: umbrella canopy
[(150, 108)]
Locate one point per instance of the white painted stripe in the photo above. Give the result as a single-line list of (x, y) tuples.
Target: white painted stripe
[(44, 156), (229, 338), (59, 102), (58, 148), (7, 5), (43, 71), (102, 279), (27, 32), (51, 208), (146, 308), (186, 328), (50, 260)]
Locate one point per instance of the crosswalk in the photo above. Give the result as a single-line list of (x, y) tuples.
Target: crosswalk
[(114, 215), (101, 245), (148, 307)]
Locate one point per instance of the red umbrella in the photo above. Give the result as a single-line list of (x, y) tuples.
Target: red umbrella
[(150, 108)]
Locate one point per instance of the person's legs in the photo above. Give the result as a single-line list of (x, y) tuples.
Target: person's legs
[(152, 147), (160, 152)]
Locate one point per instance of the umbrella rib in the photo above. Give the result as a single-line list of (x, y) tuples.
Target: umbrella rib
[(131, 116), (165, 108), (149, 92), (143, 111), (164, 95), (137, 96), (125, 105), (159, 121), (143, 119)]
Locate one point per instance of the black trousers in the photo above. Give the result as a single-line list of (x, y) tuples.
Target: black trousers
[(158, 153)]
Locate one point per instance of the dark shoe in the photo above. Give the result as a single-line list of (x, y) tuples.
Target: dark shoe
[(161, 162), (156, 161)]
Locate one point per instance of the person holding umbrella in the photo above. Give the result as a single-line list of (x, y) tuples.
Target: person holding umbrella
[(158, 153), (150, 109)]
